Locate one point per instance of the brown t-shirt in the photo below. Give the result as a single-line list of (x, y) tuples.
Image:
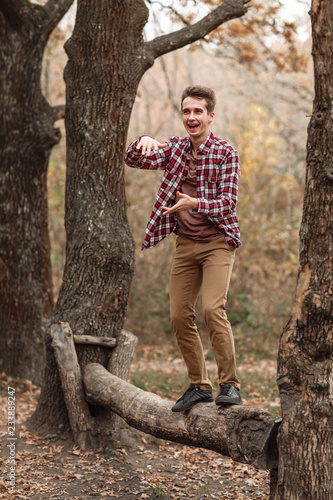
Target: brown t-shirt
[(195, 226)]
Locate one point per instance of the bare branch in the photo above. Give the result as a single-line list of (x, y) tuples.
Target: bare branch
[(182, 18), (175, 105), (167, 43)]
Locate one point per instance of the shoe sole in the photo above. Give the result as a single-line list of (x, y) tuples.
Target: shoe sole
[(210, 400), (226, 403)]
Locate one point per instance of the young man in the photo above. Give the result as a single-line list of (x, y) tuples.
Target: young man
[(197, 200)]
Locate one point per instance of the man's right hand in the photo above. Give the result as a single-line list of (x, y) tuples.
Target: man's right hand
[(146, 144)]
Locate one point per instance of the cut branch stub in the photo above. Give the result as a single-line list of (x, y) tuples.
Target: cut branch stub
[(246, 434)]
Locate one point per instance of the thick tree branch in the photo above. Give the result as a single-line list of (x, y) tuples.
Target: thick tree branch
[(22, 15), (246, 434), (55, 11), (59, 112), (178, 39)]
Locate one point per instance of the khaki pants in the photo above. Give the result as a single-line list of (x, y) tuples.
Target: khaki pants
[(207, 265)]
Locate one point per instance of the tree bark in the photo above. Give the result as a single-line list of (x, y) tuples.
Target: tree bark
[(83, 425), (27, 136), (107, 58), (119, 365), (305, 368), (245, 434)]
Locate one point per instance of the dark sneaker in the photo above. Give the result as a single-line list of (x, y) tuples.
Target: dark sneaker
[(191, 397), (228, 395)]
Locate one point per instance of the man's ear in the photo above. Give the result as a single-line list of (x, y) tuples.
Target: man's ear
[(211, 117)]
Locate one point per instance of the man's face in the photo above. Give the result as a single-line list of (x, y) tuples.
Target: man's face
[(196, 119)]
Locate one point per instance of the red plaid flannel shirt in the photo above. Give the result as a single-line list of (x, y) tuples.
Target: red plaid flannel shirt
[(217, 185)]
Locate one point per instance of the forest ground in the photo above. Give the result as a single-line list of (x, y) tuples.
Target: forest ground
[(140, 467)]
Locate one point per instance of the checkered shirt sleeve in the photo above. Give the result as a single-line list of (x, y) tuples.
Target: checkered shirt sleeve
[(157, 160)]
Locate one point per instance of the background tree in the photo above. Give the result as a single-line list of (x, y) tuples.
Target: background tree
[(305, 364), (27, 134)]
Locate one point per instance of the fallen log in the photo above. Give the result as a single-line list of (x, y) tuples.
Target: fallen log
[(244, 433)]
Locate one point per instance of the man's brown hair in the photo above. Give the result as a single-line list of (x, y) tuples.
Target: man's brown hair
[(200, 92)]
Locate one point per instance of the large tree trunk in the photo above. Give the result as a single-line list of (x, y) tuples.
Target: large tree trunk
[(27, 136), (102, 75), (107, 59), (305, 367)]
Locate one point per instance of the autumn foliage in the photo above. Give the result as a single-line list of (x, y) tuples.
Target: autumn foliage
[(260, 110)]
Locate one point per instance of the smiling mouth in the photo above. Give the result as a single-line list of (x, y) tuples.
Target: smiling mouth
[(192, 127)]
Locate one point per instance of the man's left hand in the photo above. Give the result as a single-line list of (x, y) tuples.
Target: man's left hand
[(184, 202)]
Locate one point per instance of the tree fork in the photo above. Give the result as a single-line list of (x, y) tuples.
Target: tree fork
[(88, 431)]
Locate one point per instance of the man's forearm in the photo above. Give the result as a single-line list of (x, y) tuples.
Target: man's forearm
[(184, 202)]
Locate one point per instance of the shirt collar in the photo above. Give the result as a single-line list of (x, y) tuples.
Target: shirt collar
[(205, 146)]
